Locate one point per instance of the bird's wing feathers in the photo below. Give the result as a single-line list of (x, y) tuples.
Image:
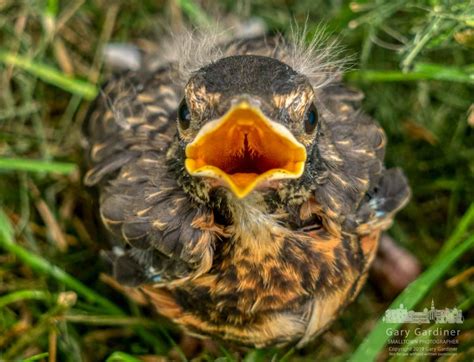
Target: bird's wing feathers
[(168, 237), (129, 133), (132, 115), (351, 179), (382, 201)]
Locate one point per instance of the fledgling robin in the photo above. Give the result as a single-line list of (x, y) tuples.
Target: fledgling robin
[(245, 185)]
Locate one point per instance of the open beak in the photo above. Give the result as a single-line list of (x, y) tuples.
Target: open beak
[(244, 149)]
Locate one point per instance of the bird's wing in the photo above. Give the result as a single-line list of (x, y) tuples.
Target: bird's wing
[(164, 235), (133, 114), (352, 185)]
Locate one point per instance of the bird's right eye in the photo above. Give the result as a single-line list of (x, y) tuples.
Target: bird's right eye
[(311, 119), (184, 116)]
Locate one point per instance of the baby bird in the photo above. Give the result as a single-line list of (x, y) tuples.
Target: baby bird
[(245, 187)]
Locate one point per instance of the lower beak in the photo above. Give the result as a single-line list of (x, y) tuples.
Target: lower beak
[(245, 149)]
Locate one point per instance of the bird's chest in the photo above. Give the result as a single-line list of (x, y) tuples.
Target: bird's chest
[(258, 272), (263, 269), (256, 282)]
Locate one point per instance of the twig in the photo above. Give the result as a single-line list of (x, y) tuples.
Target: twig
[(106, 320), (52, 343), (54, 230)]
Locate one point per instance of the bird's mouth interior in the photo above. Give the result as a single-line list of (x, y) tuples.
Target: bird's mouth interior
[(245, 149)]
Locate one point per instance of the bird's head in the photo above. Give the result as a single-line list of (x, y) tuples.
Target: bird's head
[(247, 123)]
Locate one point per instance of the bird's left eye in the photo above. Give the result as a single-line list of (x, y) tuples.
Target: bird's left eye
[(184, 116), (311, 119)]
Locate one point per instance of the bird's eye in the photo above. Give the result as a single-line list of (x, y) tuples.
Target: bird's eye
[(184, 116), (311, 119)]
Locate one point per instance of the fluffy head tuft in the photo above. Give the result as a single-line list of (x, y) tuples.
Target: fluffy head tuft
[(191, 50), (317, 56)]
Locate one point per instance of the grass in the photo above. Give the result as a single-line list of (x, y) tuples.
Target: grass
[(377, 338), (41, 265), (16, 164), (50, 75), (415, 63), (421, 71)]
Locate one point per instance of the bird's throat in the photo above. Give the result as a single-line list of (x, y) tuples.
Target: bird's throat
[(244, 150)]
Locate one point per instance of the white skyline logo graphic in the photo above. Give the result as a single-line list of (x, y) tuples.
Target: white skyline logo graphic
[(438, 316)]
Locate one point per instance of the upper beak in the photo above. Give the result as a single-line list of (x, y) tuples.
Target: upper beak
[(244, 148)]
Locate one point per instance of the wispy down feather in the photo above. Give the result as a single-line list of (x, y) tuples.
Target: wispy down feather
[(191, 50), (315, 54)]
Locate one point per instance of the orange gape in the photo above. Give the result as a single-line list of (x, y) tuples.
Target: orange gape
[(243, 149), (247, 196)]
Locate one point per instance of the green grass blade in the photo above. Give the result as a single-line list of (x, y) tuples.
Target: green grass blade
[(461, 228), (432, 28), (195, 13), (122, 357), (421, 71), (376, 340), (50, 75), (286, 357), (36, 357), (24, 295), (52, 8), (41, 265), (447, 73), (256, 355), (19, 164), (226, 354)]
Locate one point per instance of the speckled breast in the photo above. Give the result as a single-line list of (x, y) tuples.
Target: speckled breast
[(266, 292)]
